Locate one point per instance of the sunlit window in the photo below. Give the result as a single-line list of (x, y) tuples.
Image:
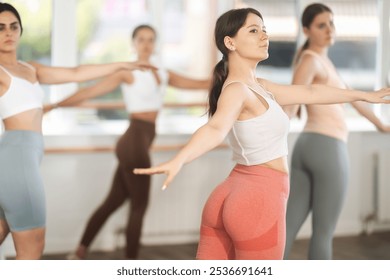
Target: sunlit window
[(104, 36), (353, 54)]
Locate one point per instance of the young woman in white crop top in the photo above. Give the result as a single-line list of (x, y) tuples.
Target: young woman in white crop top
[(22, 200), (320, 161), (244, 217), (143, 93)]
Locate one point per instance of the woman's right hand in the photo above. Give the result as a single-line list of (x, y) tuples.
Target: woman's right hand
[(170, 168), (379, 96)]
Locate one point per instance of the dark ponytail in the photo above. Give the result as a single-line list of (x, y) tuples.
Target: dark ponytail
[(299, 52), (219, 77), (227, 24)]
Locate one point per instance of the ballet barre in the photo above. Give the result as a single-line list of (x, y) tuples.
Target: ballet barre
[(106, 149)]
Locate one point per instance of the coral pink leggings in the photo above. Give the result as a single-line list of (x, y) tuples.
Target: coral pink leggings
[(244, 217)]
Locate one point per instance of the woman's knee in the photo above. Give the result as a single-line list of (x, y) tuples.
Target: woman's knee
[(29, 244)]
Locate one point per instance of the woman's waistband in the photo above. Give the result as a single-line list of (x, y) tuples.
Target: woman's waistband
[(259, 170), (22, 138)]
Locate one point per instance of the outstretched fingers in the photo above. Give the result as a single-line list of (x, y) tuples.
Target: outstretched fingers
[(385, 92), (155, 170), (149, 171)]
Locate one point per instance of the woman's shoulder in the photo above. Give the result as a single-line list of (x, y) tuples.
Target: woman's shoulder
[(311, 57), (236, 89), (312, 62)]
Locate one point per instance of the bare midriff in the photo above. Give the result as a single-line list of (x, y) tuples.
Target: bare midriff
[(145, 116), (327, 120), (279, 164), (27, 120)]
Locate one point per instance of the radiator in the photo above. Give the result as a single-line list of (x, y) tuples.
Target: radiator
[(1, 254), (382, 188)]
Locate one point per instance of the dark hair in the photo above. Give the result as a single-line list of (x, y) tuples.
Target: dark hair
[(7, 7), (308, 15), (142, 26), (227, 24)]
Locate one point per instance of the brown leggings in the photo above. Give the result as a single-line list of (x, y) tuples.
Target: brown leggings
[(132, 151)]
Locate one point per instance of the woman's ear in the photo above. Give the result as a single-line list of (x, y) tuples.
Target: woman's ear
[(306, 31), (229, 43)]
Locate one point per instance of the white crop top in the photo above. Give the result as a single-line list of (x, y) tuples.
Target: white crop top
[(145, 94), (262, 138), (21, 95)]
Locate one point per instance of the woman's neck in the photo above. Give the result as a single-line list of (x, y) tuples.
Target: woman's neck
[(242, 71), (144, 59), (320, 50), (8, 58)]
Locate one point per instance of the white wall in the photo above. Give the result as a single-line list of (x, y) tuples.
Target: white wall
[(77, 183)]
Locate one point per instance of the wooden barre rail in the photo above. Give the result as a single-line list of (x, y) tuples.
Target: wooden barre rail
[(112, 105), (105, 149)]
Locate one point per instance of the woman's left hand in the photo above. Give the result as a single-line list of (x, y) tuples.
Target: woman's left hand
[(170, 168)]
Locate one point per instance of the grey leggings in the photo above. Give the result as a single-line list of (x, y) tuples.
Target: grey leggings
[(319, 179), (22, 197)]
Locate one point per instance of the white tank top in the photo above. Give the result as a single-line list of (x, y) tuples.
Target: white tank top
[(21, 95), (145, 94), (262, 138)]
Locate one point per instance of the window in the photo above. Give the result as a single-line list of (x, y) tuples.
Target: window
[(104, 36), (353, 54)]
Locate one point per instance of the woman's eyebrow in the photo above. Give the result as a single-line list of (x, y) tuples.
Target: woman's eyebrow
[(13, 23)]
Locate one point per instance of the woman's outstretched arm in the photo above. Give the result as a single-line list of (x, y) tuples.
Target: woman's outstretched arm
[(321, 94), (106, 85), (82, 73)]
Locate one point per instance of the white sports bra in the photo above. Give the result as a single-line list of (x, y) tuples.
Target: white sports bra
[(21, 95), (145, 94), (262, 138)]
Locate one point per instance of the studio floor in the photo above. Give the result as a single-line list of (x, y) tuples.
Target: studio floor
[(375, 246)]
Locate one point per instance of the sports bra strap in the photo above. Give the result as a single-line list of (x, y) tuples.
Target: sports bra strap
[(231, 82), (5, 70), (252, 89), (27, 65), (21, 62)]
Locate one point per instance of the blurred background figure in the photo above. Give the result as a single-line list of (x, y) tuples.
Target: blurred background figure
[(320, 160)]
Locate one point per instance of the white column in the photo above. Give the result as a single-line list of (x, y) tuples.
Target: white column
[(64, 54), (383, 42), (1, 254), (64, 39), (157, 9), (382, 54)]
